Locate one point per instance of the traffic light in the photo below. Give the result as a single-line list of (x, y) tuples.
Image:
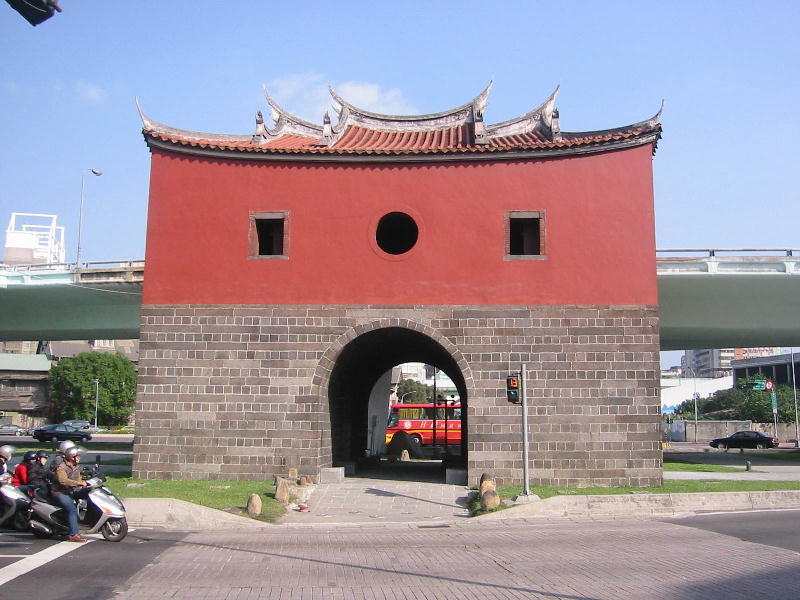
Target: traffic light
[(512, 389)]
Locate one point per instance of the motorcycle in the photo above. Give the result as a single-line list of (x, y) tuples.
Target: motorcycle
[(14, 505), (100, 511)]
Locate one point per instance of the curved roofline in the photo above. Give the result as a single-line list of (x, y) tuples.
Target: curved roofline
[(149, 125), (651, 123), (527, 122), (288, 120), (478, 102)]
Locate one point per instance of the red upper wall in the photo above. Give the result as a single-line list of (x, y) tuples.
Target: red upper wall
[(599, 231)]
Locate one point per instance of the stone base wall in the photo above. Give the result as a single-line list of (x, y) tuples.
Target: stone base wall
[(240, 392)]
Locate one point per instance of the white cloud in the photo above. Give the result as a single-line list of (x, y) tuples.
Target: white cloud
[(306, 95), (91, 93), (369, 96)]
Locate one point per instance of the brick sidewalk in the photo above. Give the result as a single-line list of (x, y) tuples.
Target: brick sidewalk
[(586, 560), (359, 500)]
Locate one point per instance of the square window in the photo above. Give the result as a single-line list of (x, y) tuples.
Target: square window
[(525, 235), (268, 235)]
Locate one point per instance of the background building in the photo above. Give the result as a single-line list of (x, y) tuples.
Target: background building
[(717, 362)]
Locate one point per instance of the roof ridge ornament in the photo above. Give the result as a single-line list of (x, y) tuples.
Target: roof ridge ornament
[(286, 122), (539, 119), (350, 114)]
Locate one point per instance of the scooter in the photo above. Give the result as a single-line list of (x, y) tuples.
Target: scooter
[(14, 505), (101, 511)]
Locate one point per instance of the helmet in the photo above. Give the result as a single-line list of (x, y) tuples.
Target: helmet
[(62, 447), (42, 454), (73, 452), (6, 451), (29, 455)]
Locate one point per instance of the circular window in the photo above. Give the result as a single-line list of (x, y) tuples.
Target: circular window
[(397, 233)]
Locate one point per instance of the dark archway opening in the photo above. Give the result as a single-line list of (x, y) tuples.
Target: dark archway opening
[(360, 365)]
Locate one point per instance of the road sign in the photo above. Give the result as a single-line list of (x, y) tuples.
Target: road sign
[(760, 385), (769, 385), (774, 402)]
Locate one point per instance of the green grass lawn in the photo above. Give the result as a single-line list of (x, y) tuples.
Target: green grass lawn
[(672, 464), (671, 486), (790, 456), (222, 495), (90, 447)]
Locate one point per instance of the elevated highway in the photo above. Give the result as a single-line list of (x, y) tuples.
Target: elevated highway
[(709, 298)]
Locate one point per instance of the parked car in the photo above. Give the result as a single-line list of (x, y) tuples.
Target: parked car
[(60, 433), (81, 424), (745, 439), (12, 429)]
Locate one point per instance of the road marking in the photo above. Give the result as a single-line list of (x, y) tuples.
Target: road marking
[(35, 561)]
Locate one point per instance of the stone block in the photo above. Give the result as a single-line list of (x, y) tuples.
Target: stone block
[(453, 476), (331, 475)]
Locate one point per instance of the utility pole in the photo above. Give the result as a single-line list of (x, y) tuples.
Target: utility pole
[(794, 389), (96, 383), (523, 392)]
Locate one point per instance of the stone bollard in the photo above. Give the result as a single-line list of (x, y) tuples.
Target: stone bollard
[(486, 485), (304, 480), (282, 490), (490, 500), (254, 505)]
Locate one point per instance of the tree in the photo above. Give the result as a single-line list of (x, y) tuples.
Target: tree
[(72, 388), (418, 393), (741, 403)]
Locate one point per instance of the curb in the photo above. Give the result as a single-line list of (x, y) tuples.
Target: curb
[(648, 505), (179, 515), (170, 513)]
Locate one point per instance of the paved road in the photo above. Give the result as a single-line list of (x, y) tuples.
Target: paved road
[(773, 528), (764, 466), (589, 560), (53, 570)]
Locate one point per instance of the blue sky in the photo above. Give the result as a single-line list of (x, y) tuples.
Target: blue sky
[(725, 170)]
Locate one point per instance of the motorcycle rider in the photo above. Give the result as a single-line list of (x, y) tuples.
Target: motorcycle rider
[(6, 452), (69, 487), (36, 473), (21, 472), (59, 457)]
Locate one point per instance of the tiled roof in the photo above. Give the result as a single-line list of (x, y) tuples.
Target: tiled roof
[(358, 132)]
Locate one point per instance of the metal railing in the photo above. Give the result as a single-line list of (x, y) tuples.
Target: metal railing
[(713, 252), (72, 266)]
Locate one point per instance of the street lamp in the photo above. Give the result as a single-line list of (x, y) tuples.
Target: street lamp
[(96, 173), (96, 383)]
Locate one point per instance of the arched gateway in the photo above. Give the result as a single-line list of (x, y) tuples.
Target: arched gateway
[(287, 270)]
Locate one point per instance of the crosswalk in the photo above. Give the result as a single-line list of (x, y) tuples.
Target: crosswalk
[(41, 553)]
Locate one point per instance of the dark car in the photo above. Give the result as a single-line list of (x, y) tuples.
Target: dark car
[(60, 433), (745, 439)]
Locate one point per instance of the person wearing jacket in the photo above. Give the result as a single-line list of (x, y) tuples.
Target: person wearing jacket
[(69, 487), (6, 452), (21, 472), (37, 473)]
